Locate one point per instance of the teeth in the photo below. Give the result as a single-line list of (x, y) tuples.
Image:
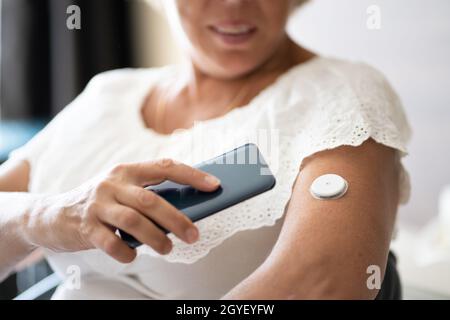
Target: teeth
[(238, 29)]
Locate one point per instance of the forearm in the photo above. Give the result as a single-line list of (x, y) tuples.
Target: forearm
[(324, 276), (15, 210)]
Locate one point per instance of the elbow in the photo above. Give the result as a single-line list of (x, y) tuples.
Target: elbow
[(334, 289), (328, 287), (323, 280)]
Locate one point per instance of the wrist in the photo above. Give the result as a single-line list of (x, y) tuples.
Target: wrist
[(34, 221)]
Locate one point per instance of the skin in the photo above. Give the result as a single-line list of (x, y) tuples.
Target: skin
[(218, 72), (324, 247), (87, 217)]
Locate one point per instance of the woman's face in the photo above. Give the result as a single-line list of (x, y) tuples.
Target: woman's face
[(229, 38)]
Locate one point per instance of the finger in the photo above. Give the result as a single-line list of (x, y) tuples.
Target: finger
[(104, 239), (137, 225), (149, 173), (158, 210)]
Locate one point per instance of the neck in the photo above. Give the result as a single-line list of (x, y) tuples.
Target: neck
[(287, 55)]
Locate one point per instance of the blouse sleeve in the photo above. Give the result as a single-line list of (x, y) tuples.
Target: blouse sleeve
[(34, 149), (358, 104)]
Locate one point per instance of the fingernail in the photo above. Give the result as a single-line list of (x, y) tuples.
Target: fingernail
[(192, 235), (213, 181)]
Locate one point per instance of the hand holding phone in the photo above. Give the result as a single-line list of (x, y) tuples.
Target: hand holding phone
[(243, 174), (89, 215)]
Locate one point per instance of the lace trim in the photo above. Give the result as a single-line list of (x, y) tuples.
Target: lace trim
[(348, 112), (260, 211)]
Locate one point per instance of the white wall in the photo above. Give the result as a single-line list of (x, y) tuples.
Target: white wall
[(412, 49), (153, 42)]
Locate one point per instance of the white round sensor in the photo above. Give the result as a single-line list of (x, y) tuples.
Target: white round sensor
[(328, 186)]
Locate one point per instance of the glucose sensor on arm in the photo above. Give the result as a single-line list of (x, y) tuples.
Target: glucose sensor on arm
[(328, 187)]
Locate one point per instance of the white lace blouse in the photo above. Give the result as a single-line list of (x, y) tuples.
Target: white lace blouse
[(318, 105)]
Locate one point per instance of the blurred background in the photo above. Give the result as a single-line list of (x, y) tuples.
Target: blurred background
[(44, 65)]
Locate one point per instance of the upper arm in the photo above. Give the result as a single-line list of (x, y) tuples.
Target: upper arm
[(327, 245), (14, 176)]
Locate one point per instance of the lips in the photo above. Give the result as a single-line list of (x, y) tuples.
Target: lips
[(233, 33), (233, 30)]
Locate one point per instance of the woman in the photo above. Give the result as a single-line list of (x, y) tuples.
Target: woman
[(81, 178)]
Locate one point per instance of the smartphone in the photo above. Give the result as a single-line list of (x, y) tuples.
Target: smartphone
[(243, 174)]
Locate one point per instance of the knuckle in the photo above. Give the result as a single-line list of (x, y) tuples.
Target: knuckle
[(104, 186), (129, 219), (146, 198), (119, 168), (165, 163), (93, 209)]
